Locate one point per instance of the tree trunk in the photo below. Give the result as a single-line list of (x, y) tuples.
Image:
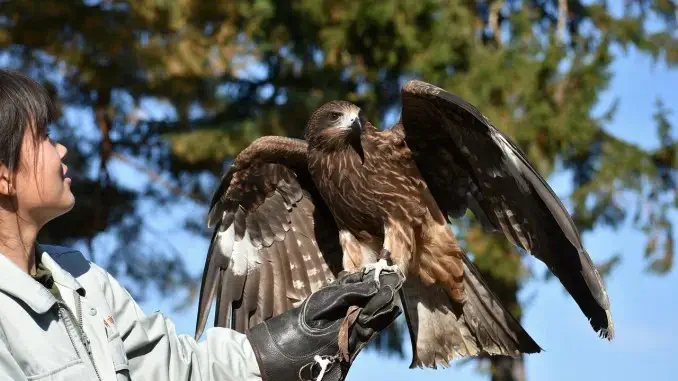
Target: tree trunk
[(104, 122), (506, 368)]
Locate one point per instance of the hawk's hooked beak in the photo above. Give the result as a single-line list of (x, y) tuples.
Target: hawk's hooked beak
[(357, 126), (356, 132)]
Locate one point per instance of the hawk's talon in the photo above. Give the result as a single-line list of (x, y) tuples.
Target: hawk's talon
[(378, 267)]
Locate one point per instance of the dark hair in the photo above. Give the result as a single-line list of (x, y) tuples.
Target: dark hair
[(23, 104)]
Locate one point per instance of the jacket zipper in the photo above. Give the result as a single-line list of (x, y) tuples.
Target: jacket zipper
[(81, 331)]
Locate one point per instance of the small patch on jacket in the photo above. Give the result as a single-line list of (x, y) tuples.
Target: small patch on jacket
[(109, 321)]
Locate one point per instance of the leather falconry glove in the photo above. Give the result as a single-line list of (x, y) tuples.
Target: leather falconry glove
[(320, 339)]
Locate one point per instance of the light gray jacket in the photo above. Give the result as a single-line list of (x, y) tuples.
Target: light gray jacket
[(100, 333)]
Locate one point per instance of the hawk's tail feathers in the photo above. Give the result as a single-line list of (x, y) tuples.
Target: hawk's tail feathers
[(442, 330)]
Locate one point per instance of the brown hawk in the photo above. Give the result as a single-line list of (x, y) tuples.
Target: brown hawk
[(290, 214)]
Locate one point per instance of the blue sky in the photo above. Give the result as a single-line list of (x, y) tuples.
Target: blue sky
[(643, 308)]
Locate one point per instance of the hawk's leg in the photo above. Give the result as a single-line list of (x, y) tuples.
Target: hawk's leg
[(355, 252), (399, 244), (397, 250), (361, 254), (385, 255)]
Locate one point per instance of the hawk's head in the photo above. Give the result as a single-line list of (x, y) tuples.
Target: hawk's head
[(336, 125)]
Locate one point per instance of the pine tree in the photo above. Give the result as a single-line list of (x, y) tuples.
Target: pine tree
[(231, 71)]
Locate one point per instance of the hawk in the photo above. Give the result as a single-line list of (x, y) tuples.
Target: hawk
[(289, 215)]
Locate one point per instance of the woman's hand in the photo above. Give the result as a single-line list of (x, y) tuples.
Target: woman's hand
[(320, 339)]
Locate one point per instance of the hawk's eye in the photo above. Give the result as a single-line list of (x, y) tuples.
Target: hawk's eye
[(335, 116)]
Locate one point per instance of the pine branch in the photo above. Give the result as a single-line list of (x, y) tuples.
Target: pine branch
[(155, 177), (562, 20), (493, 20), (637, 150)]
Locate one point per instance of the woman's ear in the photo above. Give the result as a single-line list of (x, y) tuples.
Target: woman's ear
[(6, 185)]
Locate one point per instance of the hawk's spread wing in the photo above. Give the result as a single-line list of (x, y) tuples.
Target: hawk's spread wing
[(468, 163), (274, 242)]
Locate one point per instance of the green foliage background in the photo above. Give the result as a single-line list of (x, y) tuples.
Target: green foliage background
[(230, 71)]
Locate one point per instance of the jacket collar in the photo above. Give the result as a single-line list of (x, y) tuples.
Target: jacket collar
[(61, 276), (22, 286)]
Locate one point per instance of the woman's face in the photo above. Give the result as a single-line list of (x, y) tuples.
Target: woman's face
[(43, 191)]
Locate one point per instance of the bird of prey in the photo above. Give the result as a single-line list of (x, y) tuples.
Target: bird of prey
[(290, 214)]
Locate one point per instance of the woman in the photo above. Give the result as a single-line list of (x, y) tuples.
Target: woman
[(64, 318)]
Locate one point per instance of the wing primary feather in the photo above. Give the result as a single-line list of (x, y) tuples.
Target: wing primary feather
[(480, 214), (312, 261), (264, 221), (240, 222), (508, 232), (278, 220), (252, 315), (279, 294), (266, 288), (224, 311), (218, 258), (295, 251), (284, 265), (254, 229), (247, 290), (516, 229)]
